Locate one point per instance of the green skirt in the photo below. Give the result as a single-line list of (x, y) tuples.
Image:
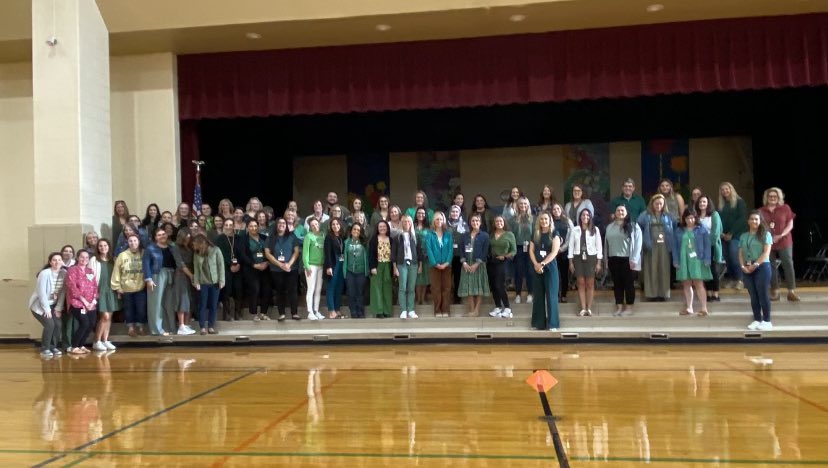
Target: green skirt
[(474, 284), (108, 300)]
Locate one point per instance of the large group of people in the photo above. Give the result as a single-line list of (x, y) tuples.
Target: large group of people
[(167, 266)]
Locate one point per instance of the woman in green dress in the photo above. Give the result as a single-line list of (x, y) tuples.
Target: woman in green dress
[(107, 298), (691, 258), (421, 222), (474, 280)]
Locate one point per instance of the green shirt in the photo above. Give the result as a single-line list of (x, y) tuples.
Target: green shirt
[(313, 250), (734, 220), (523, 231), (356, 257), (502, 246), (752, 247)]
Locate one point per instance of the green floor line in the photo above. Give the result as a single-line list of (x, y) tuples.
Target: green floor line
[(80, 460), (422, 455)]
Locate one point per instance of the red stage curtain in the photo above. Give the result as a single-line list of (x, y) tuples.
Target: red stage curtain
[(701, 56)]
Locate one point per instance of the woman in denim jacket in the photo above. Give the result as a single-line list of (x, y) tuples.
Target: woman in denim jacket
[(691, 258), (159, 264), (474, 280), (657, 236)]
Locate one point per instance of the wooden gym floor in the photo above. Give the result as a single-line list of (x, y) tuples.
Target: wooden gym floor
[(425, 406)]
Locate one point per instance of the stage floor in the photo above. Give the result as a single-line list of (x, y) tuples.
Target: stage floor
[(651, 321), (417, 405)]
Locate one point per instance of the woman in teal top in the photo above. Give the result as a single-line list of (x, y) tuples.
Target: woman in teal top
[(754, 252), (356, 270), (420, 201), (710, 219), (313, 258), (423, 277), (439, 245), (691, 259)]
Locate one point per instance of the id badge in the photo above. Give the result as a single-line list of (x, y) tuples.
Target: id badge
[(281, 258), (660, 239), (234, 261), (692, 254), (469, 249), (525, 246), (543, 254), (583, 256), (455, 246), (341, 258), (259, 255)]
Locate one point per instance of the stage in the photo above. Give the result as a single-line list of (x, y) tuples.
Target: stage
[(651, 322)]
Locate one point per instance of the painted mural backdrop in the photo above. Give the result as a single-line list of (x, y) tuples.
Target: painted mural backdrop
[(588, 165), (665, 159), (368, 176), (438, 174)]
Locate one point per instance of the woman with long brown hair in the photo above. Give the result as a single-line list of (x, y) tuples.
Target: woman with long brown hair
[(208, 280)]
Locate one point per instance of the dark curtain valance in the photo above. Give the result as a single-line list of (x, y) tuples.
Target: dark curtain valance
[(700, 56)]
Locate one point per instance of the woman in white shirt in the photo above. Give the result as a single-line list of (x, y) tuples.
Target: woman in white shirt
[(585, 251)]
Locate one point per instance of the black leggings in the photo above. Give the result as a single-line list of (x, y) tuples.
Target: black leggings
[(623, 280), (286, 285), (712, 285), (497, 282), (258, 289), (456, 266), (86, 322), (563, 272)]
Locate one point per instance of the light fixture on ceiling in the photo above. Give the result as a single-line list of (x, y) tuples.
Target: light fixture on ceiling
[(517, 18), (383, 27), (655, 7), (253, 36)]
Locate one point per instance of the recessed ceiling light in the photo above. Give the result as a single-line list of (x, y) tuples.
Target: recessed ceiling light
[(252, 35), (517, 18), (655, 7), (383, 27)]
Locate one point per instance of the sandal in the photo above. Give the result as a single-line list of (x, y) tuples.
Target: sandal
[(131, 332), (686, 312), (583, 313), (332, 315), (703, 313)]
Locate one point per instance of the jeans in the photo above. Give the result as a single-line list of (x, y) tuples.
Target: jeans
[(333, 296), (356, 294), (408, 280), (208, 303), (135, 307), (158, 300), (523, 271), (51, 331), (786, 256), (758, 286), (545, 305), (731, 253)]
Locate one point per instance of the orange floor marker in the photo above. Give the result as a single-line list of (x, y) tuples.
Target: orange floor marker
[(541, 381)]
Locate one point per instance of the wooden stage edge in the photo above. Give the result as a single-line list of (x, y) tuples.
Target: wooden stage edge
[(805, 321)]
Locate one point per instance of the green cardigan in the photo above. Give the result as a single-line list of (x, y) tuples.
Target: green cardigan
[(209, 269), (348, 243)]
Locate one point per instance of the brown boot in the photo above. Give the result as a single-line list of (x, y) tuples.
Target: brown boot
[(792, 297), (774, 294)]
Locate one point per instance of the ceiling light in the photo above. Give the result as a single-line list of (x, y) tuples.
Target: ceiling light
[(517, 18), (655, 7), (383, 27), (252, 35)]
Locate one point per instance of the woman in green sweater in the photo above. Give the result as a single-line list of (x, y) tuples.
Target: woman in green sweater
[(208, 279), (313, 258), (502, 247), (356, 270), (733, 212)]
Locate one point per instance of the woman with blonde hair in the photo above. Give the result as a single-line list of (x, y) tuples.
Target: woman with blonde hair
[(733, 212), (407, 261), (438, 244), (674, 202), (522, 225), (657, 240), (543, 249), (225, 208), (780, 221), (420, 201)]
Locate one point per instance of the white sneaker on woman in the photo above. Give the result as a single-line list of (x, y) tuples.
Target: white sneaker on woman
[(99, 346), (529, 299), (319, 316), (404, 314), (110, 346), (507, 313), (517, 299), (766, 326), (413, 315), (496, 312), (754, 325)]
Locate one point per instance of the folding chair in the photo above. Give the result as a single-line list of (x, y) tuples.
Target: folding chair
[(817, 265)]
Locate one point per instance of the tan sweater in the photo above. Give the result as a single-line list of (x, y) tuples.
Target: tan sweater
[(128, 274)]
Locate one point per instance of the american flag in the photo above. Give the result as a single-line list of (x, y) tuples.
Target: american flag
[(197, 196)]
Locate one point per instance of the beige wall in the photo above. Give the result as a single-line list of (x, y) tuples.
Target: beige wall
[(715, 160), (315, 176), (17, 176), (146, 162)]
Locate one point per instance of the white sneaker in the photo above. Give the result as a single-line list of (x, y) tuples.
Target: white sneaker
[(529, 299), (99, 346), (517, 299), (403, 315), (185, 330), (754, 325), (256, 318), (507, 313), (766, 326), (413, 315), (312, 316), (496, 312), (109, 345), (319, 316), (187, 327)]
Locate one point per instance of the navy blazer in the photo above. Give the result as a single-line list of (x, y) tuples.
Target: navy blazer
[(480, 248)]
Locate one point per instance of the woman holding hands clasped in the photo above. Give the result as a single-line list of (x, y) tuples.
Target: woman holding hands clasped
[(543, 248)]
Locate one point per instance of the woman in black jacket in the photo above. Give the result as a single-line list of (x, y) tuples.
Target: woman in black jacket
[(334, 248), (250, 250)]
